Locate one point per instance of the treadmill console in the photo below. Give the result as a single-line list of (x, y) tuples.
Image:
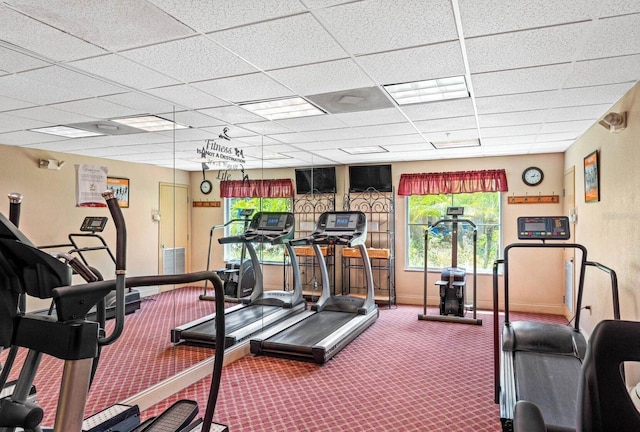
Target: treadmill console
[(94, 224), (455, 211), (543, 228), (340, 227), (270, 226)]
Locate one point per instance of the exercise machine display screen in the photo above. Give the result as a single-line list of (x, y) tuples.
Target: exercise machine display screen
[(543, 228), (273, 222), (455, 211), (342, 222), (94, 223)]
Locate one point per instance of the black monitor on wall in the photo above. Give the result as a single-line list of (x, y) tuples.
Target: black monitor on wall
[(363, 177), (318, 180)]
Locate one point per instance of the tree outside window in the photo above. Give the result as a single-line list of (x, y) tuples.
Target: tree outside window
[(482, 208)]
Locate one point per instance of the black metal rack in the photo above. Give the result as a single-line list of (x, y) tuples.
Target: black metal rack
[(379, 207)]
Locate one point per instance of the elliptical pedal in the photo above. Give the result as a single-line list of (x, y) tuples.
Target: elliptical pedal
[(175, 418)]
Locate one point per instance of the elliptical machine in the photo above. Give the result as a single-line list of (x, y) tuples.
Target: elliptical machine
[(452, 283)]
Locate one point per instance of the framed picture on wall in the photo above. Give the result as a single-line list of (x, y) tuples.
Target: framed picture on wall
[(591, 178), (120, 187)]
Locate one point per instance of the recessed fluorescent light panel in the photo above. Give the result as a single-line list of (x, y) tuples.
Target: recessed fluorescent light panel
[(428, 91), (279, 109), (364, 150), (456, 144), (149, 123), (66, 131)]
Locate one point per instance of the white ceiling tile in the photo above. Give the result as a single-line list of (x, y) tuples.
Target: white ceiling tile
[(13, 61), (310, 158), (10, 123), (373, 117), (244, 88), (114, 25), (257, 140), (482, 17), (186, 96), (624, 30), (124, 71), (208, 16), (283, 42), (187, 60), (525, 80), (569, 126), (50, 115), (508, 140), (26, 138), (620, 7), (323, 77), (558, 136), (515, 102), (189, 134), (8, 104), (265, 127), (437, 110), (312, 123), (446, 124), (333, 134), (504, 150), (458, 135), (139, 102), (95, 108), (395, 140), (380, 25), (585, 112), (551, 147), (605, 71), (291, 138), (605, 94), (232, 114), (512, 118), (524, 48), (410, 65), (505, 131), (41, 38), (193, 119), (78, 82), (411, 147), (386, 129), (21, 88)]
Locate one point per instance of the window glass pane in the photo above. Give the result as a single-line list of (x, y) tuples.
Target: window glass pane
[(233, 206), (483, 209)]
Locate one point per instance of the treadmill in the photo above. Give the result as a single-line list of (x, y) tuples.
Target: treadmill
[(338, 319), (540, 362), (261, 309)]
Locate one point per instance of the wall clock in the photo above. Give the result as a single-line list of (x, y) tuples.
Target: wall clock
[(532, 176), (206, 187)]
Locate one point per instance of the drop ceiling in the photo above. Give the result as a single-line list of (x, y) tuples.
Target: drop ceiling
[(539, 74)]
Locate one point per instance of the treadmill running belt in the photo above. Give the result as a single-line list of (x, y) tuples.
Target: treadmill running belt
[(551, 382), (307, 333), (233, 321)]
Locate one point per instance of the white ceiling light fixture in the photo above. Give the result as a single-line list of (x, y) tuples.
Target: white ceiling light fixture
[(429, 90), (364, 150), (278, 109), (149, 123), (66, 131), (456, 144)]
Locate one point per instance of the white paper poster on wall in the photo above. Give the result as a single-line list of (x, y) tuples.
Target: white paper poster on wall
[(91, 182)]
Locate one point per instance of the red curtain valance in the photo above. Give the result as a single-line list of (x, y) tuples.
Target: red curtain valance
[(453, 182), (278, 188)]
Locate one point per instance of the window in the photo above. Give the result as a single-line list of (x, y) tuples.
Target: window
[(482, 208), (267, 253)]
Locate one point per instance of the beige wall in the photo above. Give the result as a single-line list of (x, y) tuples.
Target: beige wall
[(609, 228)]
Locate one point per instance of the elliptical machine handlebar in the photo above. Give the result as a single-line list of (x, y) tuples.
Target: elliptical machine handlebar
[(15, 199)]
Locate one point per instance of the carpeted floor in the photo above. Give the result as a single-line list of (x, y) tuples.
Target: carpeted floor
[(400, 375)]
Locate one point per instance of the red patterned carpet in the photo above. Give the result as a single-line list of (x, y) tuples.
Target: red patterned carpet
[(400, 375)]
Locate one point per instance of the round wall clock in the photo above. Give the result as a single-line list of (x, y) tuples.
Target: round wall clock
[(206, 187), (532, 176)]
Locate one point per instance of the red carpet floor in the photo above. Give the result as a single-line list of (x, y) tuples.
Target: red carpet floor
[(399, 375)]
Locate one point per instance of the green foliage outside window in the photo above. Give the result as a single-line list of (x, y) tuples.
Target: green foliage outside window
[(482, 208), (266, 252)]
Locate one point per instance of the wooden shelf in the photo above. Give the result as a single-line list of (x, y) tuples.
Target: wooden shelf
[(534, 199)]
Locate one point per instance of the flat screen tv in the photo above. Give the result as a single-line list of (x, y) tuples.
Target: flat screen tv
[(363, 177), (318, 180)]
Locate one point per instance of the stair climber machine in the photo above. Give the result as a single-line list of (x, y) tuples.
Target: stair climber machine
[(535, 362), (86, 242), (338, 319), (238, 277), (452, 283), (69, 336), (262, 309)]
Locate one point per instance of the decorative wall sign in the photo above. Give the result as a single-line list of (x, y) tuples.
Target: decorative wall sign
[(91, 182), (591, 178), (207, 203), (120, 187)]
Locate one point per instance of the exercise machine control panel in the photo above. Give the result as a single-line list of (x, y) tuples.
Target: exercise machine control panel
[(455, 211), (543, 228), (266, 227), (94, 224), (347, 227)]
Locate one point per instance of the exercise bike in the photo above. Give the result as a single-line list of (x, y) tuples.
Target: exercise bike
[(452, 283)]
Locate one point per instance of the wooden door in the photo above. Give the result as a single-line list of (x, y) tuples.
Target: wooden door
[(174, 229)]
